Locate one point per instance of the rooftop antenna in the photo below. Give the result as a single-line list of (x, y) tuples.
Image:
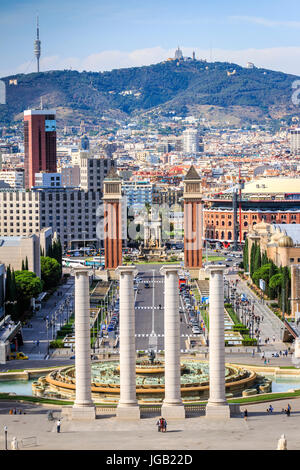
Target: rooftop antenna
[(37, 45)]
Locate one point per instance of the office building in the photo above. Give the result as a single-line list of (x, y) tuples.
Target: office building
[(39, 143), (12, 179), (70, 176), (295, 141), (93, 170), (47, 180), (138, 193), (71, 213), (15, 250)]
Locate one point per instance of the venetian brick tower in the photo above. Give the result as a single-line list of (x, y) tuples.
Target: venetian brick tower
[(193, 209), (112, 195)]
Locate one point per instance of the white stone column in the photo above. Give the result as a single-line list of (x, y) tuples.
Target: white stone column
[(172, 405), (217, 406), (128, 407), (83, 407)]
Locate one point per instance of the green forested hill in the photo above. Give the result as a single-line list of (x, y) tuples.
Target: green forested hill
[(169, 85)]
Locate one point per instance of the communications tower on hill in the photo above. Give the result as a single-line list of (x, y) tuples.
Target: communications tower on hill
[(37, 45)]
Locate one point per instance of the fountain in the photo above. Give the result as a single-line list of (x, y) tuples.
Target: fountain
[(150, 380)]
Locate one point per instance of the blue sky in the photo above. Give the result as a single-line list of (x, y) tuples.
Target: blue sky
[(101, 35)]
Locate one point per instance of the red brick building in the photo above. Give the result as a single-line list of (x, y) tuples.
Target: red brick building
[(218, 220), (39, 143)]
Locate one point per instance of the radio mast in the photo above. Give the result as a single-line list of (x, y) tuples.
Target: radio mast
[(37, 45)]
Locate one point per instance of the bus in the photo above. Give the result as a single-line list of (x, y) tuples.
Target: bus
[(70, 263)]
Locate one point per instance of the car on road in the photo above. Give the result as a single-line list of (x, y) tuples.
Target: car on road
[(147, 285), (18, 355), (196, 330)]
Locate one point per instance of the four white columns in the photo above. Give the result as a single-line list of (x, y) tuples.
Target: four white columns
[(128, 407), (217, 406)]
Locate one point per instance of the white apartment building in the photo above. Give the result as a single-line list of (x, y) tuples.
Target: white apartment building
[(12, 178), (190, 141), (71, 213)]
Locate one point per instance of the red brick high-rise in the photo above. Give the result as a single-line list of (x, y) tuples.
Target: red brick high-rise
[(112, 195), (39, 143), (193, 209)]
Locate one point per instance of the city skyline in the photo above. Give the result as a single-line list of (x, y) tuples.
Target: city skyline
[(215, 32)]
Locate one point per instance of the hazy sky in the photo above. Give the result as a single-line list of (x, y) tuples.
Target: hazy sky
[(101, 35)]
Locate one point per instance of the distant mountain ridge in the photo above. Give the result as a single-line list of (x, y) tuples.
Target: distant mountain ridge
[(205, 89)]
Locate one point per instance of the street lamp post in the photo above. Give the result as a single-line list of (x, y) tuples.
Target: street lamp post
[(5, 437)]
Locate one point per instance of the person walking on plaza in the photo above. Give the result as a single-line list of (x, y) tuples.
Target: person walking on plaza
[(58, 424), (158, 424), (164, 425), (14, 444), (245, 414)]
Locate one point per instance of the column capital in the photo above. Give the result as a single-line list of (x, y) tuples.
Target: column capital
[(170, 268), (81, 270), (131, 270), (211, 268)]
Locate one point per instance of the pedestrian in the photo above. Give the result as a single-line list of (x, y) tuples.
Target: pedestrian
[(245, 414), (288, 412), (58, 424), (289, 407), (282, 443), (14, 444), (158, 424), (273, 338), (164, 425)]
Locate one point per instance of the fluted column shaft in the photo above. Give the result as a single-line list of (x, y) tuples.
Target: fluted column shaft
[(127, 337), (82, 338), (172, 338), (216, 337)]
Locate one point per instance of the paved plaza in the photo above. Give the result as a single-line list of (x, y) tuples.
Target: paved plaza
[(260, 432)]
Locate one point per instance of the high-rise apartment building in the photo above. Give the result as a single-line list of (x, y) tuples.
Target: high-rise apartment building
[(39, 143), (191, 141), (295, 141)]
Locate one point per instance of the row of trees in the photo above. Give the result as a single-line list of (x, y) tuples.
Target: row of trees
[(277, 279), (21, 286)]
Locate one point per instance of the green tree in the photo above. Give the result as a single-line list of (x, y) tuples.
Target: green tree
[(246, 255), (28, 285), (261, 273), (275, 283), (272, 271), (257, 258), (252, 257), (50, 272)]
